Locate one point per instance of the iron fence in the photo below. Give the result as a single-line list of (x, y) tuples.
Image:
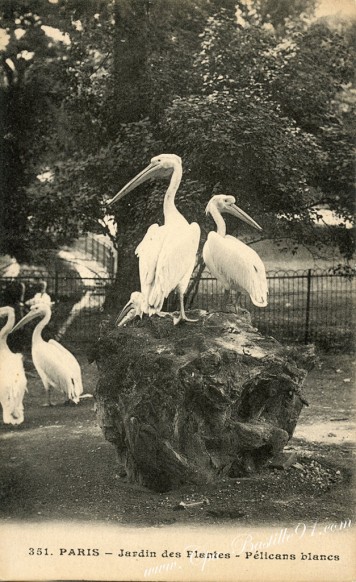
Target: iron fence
[(77, 302), (303, 306)]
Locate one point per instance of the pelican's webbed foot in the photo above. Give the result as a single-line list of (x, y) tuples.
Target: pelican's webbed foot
[(177, 320)]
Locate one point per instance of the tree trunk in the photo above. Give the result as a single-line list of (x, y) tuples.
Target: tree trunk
[(198, 401), (130, 58)]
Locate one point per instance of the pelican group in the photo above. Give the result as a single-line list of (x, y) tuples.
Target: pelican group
[(233, 263), (56, 366), (12, 375), (167, 253)]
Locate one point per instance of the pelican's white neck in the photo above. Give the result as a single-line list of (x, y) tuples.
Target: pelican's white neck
[(37, 332), (219, 221), (4, 332), (169, 209)]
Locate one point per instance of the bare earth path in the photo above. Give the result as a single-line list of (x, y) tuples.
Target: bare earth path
[(57, 465)]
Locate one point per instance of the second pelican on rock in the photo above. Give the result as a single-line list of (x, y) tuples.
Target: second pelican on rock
[(233, 263)]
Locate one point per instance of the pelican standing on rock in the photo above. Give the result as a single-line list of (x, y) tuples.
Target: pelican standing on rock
[(56, 366), (166, 253), (233, 263), (12, 375)]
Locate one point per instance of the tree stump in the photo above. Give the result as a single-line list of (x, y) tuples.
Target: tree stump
[(199, 401)]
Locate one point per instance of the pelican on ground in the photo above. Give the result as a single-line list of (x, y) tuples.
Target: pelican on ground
[(233, 263), (12, 375), (167, 253), (56, 366)]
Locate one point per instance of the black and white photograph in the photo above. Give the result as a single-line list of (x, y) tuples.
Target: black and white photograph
[(177, 281)]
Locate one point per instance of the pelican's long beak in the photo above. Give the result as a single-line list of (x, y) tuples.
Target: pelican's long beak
[(127, 314), (236, 211), (147, 173), (28, 317)]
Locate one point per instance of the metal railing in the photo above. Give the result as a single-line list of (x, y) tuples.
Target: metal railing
[(303, 306)]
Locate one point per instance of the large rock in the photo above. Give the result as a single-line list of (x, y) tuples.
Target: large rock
[(197, 401)]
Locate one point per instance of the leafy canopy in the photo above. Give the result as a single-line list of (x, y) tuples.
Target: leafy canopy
[(255, 96)]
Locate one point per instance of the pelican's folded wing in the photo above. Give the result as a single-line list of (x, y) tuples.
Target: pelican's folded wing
[(148, 252), (237, 266), (176, 261)]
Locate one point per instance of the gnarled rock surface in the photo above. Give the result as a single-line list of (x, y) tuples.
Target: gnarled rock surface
[(198, 401)]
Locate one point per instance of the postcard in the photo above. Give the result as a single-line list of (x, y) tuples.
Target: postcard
[(176, 291)]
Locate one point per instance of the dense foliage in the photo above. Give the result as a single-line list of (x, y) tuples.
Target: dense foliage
[(256, 97)]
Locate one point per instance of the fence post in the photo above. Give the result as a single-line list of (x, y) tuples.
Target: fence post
[(307, 314), (56, 285)]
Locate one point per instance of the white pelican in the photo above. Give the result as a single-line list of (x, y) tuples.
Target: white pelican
[(233, 263), (41, 296), (12, 375), (166, 253), (56, 366)]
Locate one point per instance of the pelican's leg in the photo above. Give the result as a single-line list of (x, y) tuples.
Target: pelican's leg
[(239, 309), (182, 315), (49, 403), (226, 298), (229, 305), (47, 386)]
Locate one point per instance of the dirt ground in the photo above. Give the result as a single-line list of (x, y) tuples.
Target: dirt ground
[(57, 465)]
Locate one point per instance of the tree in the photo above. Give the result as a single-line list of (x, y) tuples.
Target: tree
[(18, 106), (38, 123), (251, 100), (114, 134), (266, 118)]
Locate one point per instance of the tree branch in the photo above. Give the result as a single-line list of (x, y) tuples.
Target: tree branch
[(194, 283)]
